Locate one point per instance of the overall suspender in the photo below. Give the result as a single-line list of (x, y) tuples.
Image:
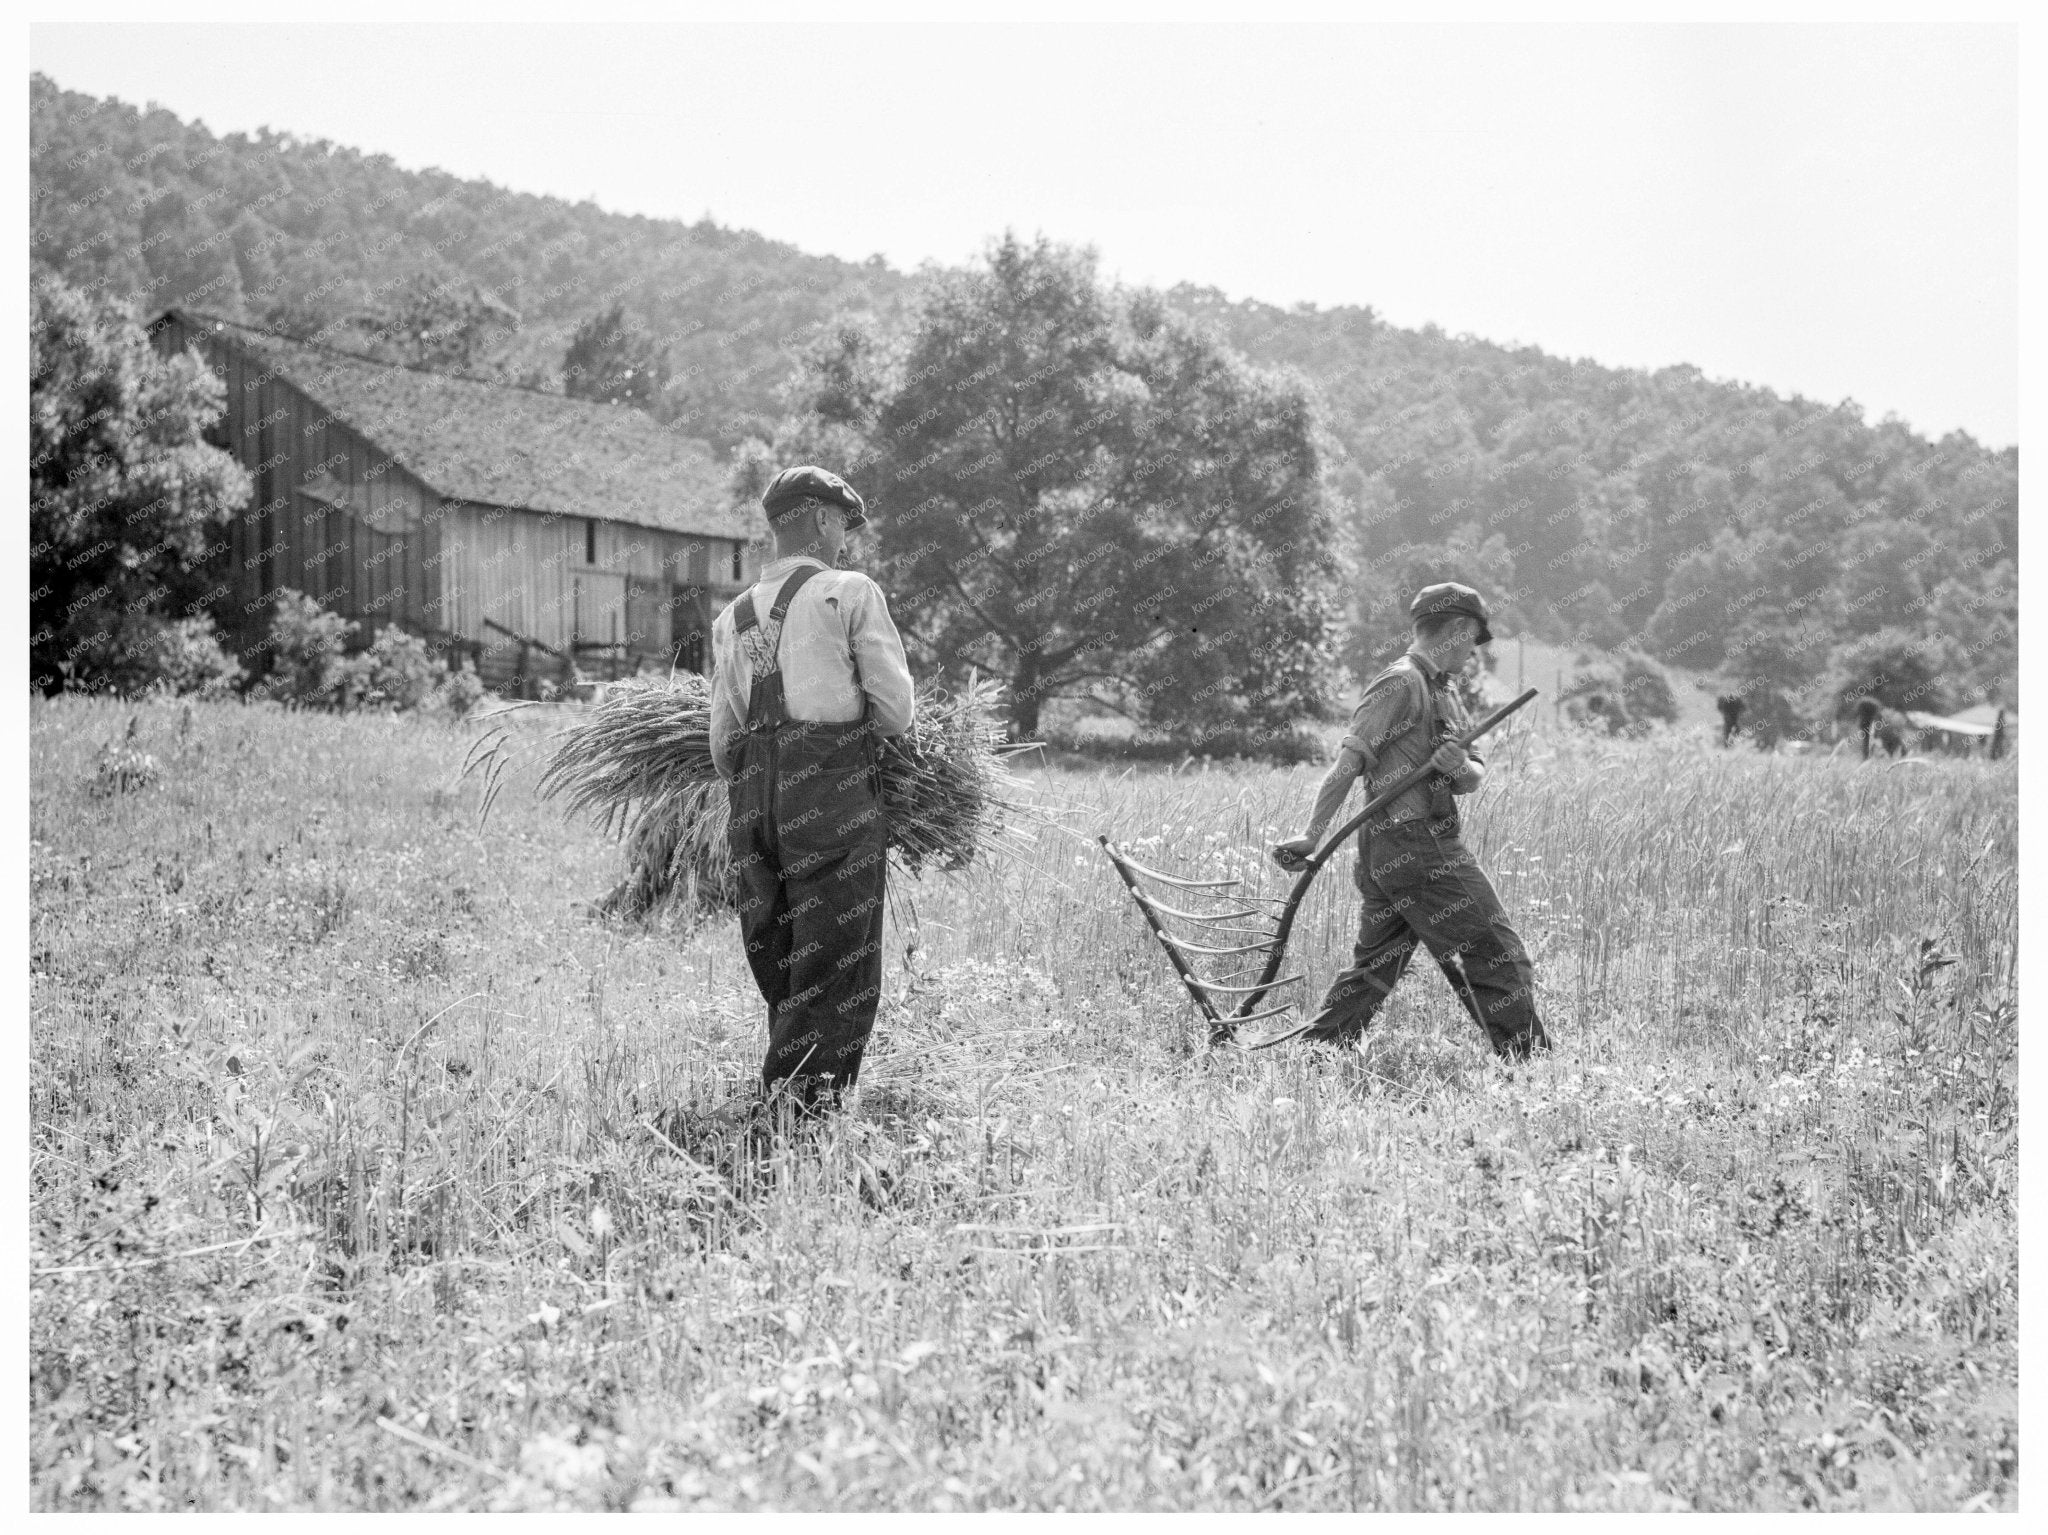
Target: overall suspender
[(1436, 730), (765, 699), (1432, 716)]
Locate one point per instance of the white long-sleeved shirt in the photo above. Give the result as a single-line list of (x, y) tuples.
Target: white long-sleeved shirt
[(838, 617)]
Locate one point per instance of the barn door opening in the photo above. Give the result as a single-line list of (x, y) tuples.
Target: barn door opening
[(689, 620)]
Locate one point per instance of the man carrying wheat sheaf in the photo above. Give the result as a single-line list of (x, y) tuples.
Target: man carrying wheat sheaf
[(1418, 881), (808, 674)]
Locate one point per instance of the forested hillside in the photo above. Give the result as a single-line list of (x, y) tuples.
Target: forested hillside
[(297, 233), (1664, 510), (1785, 543)]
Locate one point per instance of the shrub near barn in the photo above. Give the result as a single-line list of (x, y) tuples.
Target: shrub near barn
[(312, 667)]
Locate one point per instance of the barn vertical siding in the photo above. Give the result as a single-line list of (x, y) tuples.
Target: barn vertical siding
[(326, 567), (515, 569), (433, 589), (291, 442), (646, 557), (247, 397), (331, 554), (329, 568), (236, 374), (280, 539), (559, 543), (510, 567), (249, 449), (298, 442), (522, 570), (351, 460)]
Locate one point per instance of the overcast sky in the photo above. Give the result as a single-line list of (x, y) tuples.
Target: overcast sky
[(1831, 211)]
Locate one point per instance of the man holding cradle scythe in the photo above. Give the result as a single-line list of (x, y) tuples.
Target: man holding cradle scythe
[(1418, 881)]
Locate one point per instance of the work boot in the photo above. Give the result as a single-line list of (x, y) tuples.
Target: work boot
[(1520, 1047), (1328, 1028), (811, 1095)]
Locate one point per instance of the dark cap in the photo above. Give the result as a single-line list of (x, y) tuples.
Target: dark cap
[(791, 488), (1450, 597)]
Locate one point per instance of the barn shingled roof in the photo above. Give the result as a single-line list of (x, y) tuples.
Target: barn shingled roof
[(501, 445)]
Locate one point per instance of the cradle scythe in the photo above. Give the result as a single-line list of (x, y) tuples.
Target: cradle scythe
[(1223, 1026)]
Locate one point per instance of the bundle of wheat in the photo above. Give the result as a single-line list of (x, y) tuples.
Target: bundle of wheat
[(640, 762), (645, 745), (678, 857), (948, 795)]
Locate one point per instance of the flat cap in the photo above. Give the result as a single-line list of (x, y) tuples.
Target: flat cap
[(1451, 597), (791, 488)]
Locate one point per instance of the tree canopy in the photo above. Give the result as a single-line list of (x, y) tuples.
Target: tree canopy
[(127, 501), (1079, 492)]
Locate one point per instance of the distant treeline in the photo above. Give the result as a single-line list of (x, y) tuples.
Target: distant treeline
[(1712, 525)]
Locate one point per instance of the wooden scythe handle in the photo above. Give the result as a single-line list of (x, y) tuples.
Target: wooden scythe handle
[(1314, 864)]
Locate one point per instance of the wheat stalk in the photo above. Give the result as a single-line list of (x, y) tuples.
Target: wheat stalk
[(639, 762)]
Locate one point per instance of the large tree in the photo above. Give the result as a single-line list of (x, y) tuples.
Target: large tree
[(1084, 495), (128, 504)]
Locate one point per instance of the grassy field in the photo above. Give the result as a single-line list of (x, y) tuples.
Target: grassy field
[(346, 1192)]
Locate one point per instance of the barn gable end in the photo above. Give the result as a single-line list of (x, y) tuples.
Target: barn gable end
[(331, 514)]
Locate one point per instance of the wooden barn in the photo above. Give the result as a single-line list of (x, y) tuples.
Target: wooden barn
[(541, 536)]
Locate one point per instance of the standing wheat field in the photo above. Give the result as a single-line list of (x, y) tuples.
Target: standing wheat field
[(349, 1188)]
